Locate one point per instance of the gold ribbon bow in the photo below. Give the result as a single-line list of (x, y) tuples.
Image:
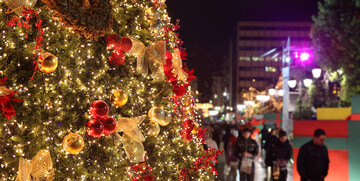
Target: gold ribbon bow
[(177, 65), (39, 168), (4, 91), (132, 138), (152, 57)]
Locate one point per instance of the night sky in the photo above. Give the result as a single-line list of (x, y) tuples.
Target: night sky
[(208, 25)]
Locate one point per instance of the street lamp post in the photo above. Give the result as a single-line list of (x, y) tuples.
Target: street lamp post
[(287, 123), (316, 73), (303, 56)]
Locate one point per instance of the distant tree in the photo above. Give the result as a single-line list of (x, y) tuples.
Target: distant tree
[(336, 35), (317, 94), (274, 105), (303, 110)]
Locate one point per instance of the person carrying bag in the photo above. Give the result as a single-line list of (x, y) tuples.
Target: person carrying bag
[(246, 150)]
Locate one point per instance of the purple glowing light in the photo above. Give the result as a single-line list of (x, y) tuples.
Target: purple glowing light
[(296, 55), (304, 56)]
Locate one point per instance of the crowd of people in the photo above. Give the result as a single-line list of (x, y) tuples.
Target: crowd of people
[(241, 150)]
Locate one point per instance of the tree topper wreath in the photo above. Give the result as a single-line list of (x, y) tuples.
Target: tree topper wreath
[(89, 18)]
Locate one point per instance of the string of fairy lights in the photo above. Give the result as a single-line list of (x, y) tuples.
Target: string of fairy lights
[(72, 76)]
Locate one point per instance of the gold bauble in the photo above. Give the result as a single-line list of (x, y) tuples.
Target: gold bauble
[(196, 127), (156, 26), (118, 97), (152, 14), (166, 120), (47, 63), (153, 129), (17, 5), (156, 114), (134, 150), (73, 143)]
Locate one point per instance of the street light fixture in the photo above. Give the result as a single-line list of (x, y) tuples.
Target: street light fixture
[(249, 103), (225, 94), (292, 83), (275, 92), (272, 91), (263, 98), (241, 107), (307, 82), (316, 72), (304, 56), (281, 92)]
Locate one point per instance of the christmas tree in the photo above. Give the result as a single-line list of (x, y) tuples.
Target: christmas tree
[(96, 90)]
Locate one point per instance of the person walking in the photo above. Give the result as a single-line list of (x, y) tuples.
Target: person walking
[(232, 161), (264, 135), (226, 137), (209, 141), (269, 145), (313, 159), (215, 133), (282, 154), (246, 150)]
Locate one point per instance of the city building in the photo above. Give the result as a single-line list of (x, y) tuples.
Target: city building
[(259, 51), (218, 91)]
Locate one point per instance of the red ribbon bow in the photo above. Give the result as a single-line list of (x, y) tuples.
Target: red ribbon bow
[(5, 105)]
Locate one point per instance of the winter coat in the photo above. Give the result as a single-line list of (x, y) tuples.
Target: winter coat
[(269, 146), (280, 151), (264, 135), (312, 161), (249, 145), (283, 150)]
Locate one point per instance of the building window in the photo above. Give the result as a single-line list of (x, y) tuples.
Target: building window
[(270, 69), (258, 58), (244, 58)]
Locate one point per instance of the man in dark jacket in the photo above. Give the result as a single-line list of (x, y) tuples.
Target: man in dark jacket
[(313, 158), (270, 143), (264, 134), (246, 147), (282, 154)]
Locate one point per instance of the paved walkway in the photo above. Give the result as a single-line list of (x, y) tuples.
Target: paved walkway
[(260, 172)]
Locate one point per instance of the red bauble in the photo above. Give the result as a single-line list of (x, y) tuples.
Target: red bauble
[(98, 109), (184, 132), (113, 42), (117, 57), (94, 128), (109, 125), (188, 136), (126, 44), (188, 125)]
